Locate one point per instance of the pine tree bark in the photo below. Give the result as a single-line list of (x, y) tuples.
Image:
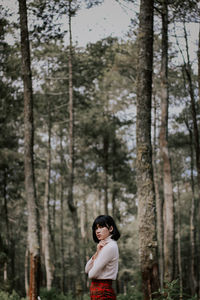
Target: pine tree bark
[(46, 231), (168, 213), (145, 186), (159, 202), (33, 227), (71, 204)]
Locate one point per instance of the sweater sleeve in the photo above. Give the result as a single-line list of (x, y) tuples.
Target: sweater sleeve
[(89, 265), (105, 256)]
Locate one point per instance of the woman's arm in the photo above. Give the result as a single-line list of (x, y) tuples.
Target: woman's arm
[(89, 265)]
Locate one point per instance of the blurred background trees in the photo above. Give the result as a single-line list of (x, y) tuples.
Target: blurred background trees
[(103, 85)]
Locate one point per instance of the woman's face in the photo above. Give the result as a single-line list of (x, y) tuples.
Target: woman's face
[(103, 232)]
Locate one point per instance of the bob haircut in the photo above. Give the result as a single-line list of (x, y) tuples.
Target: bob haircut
[(105, 221)]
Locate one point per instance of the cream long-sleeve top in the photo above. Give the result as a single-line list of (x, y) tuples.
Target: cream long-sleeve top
[(105, 266)]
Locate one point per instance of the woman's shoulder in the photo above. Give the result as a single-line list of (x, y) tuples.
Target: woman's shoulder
[(112, 245)]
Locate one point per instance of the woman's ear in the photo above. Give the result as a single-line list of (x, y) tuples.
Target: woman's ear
[(111, 229)]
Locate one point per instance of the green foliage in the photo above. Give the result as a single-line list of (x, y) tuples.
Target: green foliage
[(53, 294), (171, 291), (132, 294), (7, 296)]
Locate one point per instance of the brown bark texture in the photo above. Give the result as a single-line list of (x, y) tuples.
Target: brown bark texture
[(145, 186), (159, 202), (33, 228), (168, 213)]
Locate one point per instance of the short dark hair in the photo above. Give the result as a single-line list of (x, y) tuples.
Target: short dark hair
[(105, 221)]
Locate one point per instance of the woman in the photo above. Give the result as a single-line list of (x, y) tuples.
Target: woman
[(102, 267)]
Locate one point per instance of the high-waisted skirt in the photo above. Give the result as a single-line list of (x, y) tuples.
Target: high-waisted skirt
[(102, 289)]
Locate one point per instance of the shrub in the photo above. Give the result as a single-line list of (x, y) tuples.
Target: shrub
[(6, 296)]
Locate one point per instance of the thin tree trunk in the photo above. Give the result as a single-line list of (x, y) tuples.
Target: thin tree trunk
[(72, 206), (47, 236), (168, 213), (146, 195), (114, 188), (188, 71), (84, 234), (179, 246), (26, 271), (159, 203), (62, 282), (193, 110), (199, 65), (62, 249), (33, 227), (5, 268), (193, 251), (54, 218), (105, 158)]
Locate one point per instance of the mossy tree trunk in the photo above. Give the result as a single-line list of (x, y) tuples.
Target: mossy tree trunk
[(146, 195), (30, 191)]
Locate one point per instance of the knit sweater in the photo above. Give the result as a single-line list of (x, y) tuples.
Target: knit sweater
[(105, 265)]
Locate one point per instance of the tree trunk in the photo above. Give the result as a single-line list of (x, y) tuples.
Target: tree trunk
[(114, 188), (62, 249), (193, 247), (188, 71), (105, 163), (179, 246), (72, 206), (199, 66), (53, 217), (159, 203), (26, 271), (84, 234), (33, 227), (47, 236), (5, 269), (168, 213), (62, 281), (146, 194)]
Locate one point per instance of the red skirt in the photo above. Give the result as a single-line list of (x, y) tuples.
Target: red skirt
[(102, 289)]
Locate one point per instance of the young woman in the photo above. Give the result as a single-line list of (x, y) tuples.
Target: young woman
[(102, 267)]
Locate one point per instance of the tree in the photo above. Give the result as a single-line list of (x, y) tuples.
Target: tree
[(145, 186), (168, 213), (33, 228), (71, 204)]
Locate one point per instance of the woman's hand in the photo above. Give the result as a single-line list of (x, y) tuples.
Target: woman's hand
[(100, 245)]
